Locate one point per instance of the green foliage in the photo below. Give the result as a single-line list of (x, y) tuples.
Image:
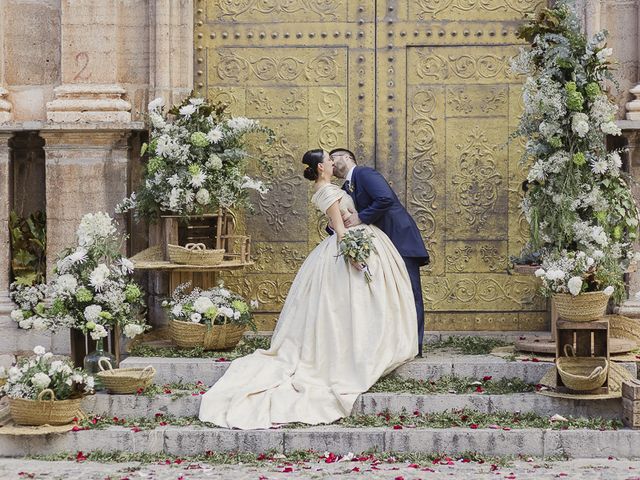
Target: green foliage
[(470, 345), (451, 384), (245, 347), (28, 247)]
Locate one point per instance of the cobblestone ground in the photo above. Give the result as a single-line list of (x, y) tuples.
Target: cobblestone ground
[(525, 470)]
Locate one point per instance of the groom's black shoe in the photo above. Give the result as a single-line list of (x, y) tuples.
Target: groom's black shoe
[(419, 355)]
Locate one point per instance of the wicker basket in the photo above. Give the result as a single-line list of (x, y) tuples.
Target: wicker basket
[(124, 380), (585, 307), (44, 412), (582, 373), (216, 337), (195, 254)]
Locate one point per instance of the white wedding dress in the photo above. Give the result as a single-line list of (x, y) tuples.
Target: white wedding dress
[(336, 336)]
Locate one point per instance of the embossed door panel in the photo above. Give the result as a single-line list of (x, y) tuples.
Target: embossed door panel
[(446, 106), (305, 68)]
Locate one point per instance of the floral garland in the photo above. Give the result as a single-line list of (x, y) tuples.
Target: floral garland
[(197, 161), (93, 288), (576, 196)]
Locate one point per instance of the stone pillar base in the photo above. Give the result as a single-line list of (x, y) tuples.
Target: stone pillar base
[(629, 308), (89, 103), (6, 114)]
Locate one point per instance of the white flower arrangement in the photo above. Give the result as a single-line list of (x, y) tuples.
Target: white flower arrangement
[(34, 374), (576, 196), (197, 161), (215, 306), (574, 273), (92, 290)]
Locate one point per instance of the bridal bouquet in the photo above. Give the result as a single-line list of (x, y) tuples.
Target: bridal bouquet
[(197, 160), (34, 374), (356, 246), (574, 273), (215, 306), (93, 287)]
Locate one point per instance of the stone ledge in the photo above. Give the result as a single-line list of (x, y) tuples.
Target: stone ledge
[(198, 440), (132, 406), (37, 125)]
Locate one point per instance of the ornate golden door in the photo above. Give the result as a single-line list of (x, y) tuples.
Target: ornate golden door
[(421, 90)]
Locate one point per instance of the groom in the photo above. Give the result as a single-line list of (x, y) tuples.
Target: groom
[(376, 203)]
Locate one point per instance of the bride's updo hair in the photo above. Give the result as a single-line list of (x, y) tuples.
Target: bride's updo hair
[(312, 159)]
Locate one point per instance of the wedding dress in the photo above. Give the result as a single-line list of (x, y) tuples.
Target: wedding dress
[(336, 336)]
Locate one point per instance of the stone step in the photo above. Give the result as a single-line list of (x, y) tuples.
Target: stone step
[(432, 367), (134, 406), (191, 440)]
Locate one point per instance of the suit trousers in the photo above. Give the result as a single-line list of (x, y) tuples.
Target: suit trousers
[(413, 267)]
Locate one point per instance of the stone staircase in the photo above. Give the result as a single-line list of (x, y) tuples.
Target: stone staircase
[(188, 439)]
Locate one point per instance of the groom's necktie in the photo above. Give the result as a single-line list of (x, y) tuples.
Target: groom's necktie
[(345, 186)]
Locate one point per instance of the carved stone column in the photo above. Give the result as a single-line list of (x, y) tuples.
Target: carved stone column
[(5, 106), (89, 64), (171, 49), (86, 171), (5, 208)]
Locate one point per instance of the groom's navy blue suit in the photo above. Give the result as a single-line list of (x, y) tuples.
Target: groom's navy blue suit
[(377, 204)]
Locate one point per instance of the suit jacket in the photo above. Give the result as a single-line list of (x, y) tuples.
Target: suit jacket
[(378, 204)]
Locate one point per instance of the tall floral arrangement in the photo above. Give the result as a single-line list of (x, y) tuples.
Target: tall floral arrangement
[(577, 198), (197, 160), (92, 290)]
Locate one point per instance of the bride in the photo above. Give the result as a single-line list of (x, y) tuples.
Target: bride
[(336, 335)]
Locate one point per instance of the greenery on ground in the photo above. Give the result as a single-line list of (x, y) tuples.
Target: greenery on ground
[(175, 390), (245, 347), (473, 419), (454, 418), (271, 457), (468, 345), (451, 384)]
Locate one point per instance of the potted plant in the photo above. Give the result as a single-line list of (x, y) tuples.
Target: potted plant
[(576, 196), (197, 166), (579, 285), (45, 390), (214, 319)]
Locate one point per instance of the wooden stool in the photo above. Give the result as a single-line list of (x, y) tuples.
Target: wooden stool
[(587, 339)]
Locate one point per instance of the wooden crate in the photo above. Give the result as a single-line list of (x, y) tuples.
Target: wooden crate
[(631, 403), (587, 339), (208, 229)]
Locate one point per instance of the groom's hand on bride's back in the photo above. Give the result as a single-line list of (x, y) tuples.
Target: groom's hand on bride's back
[(351, 218)]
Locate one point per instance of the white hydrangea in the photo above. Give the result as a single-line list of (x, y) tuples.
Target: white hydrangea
[(174, 198), (41, 380), (66, 283), (99, 276), (603, 54), (39, 350), (203, 197), (575, 285), (132, 329), (94, 226), (17, 315), (99, 332), (176, 311), (214, 162), (202, 304), (157, 121), (610, 128), (92, 313), (553, 275), (226, 311), (580, 124), (40, 324), (25, 324)]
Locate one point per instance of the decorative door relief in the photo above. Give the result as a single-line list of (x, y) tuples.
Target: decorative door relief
[(306, 69)]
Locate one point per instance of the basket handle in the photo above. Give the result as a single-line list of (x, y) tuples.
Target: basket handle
[(104, 359), (44, 392), (146, 369), (596, 371), (568, 350), (195, 246)]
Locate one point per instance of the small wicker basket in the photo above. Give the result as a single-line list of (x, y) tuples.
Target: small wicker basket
[(216, 337), (124, 380), (585, 307), (195, 254), (44, 412), (582, 373)]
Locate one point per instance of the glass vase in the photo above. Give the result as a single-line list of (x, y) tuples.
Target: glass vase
[(92, 360)]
